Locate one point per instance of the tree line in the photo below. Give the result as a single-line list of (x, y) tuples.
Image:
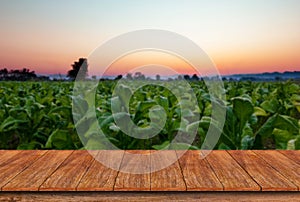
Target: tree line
[(79, 70), (17, 75)]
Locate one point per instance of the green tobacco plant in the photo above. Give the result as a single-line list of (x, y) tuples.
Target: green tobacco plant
[(38, 115)]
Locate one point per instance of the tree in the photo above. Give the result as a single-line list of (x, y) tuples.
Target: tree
[(187, 77), (129, 76), (3, 74), (139, 76), (158, 77), (119, 77), (195, 77), (81, 65)]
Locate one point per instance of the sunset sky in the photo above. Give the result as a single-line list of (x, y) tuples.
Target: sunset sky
[(240, 36)]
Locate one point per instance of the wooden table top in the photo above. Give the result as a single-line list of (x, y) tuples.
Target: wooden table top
[(68, 170)]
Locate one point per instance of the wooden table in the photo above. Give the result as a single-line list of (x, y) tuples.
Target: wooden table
[(69, 175)]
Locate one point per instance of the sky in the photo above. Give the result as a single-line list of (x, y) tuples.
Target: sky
[(240, 36)]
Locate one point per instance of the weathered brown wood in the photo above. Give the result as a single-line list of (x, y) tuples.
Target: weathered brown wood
[(232, 176), (17, 163), (151, 196), (169, 178), (129, 179), (197, 173), (282, 164), (68, 174), (294, 155), (7, 155), (77, 170), (34, 175), (264, 174), (101, 177)]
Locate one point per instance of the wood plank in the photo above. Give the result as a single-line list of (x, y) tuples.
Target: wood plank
[(282, 164), (134, 172), (169, 178), (232, 176), (292, 154), (232, 170), (34, 175), (17, 163), (266, 176), (197, 173), (68, 174), (101, 177), (151, 196), (5, 155)]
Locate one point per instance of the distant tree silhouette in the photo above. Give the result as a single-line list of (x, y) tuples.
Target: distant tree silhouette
[(80, 65), (3, 71), (187, 77), (3, 74), (17, 75), (119, 77), (195, 77), (129, 76), (139, 75), (158, 77)]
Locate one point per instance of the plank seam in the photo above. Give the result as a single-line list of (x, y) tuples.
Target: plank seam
[(214, 172), (76, 188), (88, 167), (286, 155), (245, 170), (285, 177), (39, 188), (23, 169), (150, 170), (181, 170), (115, 180)]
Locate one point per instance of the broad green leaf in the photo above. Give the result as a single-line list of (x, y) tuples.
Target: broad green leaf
[(270, 105), (247, 142), (282, 137), (59, 139), (260, 112), (10, 124), (30, 146), (162, 146), (281, 122), (242, 108)]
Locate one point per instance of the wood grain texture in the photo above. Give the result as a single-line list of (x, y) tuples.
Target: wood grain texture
[(60, 171), (294, 155), (34, 175), (129, 179), (17, 163), (263, 173), (166, 178), (197, 173), (151, 196), (68, 174), (232, 176), (6, 155), (102, 173), (282, 164)]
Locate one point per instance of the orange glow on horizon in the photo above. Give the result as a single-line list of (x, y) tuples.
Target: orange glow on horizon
[(139, 59), (231, 62)]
